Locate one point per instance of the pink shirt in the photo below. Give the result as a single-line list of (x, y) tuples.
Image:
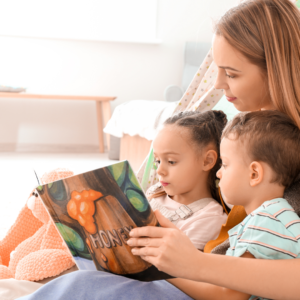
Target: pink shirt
[(204, 225)]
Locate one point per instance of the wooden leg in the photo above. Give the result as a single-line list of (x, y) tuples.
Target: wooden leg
[(100, 125), (134, 149), (106, 117)]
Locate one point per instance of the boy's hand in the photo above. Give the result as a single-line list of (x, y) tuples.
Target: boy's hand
[(168, 248)]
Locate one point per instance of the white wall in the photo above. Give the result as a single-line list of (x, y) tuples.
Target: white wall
[(126, 70)]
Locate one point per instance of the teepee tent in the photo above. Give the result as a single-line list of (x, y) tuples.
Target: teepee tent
[(200, 96)]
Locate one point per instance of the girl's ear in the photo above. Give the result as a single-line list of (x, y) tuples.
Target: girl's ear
[(210, 158), (256, 173)]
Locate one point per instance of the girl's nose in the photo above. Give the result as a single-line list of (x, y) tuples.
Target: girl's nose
[(160, 170), (219, 174)]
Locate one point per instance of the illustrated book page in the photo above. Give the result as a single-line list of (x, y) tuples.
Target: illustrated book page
[(94, 213)]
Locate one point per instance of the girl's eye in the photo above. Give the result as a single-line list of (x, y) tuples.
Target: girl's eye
[(224, 166), (172, 162), (229, 76)]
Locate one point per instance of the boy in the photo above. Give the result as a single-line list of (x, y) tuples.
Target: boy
[(260, 158)]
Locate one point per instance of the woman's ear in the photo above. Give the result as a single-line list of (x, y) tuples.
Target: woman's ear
[(256, 173), (210, 158)]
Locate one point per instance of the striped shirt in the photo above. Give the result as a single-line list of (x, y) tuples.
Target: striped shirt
[(272, 231)]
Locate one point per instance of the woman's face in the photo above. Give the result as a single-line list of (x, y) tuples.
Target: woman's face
[(243, 83)]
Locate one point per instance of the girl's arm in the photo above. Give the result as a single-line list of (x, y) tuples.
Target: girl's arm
[(172, 252)]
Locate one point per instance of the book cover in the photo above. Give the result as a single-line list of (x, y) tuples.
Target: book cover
[(94, 213)]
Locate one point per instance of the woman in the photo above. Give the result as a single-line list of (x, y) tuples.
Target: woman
[(257, 50)]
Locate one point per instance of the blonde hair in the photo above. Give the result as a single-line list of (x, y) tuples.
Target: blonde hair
[(267, 32)]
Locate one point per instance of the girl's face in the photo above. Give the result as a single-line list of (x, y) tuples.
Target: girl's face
[(182, 169), (243, 83)]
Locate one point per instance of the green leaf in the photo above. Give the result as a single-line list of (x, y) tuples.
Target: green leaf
[(40, 188), (118, 172), (71, 237), (57, 190), (133, 179), (139, 202), (74, 241)]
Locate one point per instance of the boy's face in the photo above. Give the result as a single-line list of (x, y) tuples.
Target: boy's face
[(234, 173), (179, 164)]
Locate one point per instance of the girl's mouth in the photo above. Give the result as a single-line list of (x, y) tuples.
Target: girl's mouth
[(164, 183), (230, 99)]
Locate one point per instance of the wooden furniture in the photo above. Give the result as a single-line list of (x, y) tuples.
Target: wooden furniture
[(135, 149), (102, 108)]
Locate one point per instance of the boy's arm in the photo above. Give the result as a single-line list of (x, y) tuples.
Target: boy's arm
[(202, 290)]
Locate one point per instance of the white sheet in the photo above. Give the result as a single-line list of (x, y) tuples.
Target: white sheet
[(139, 117), (11, 289)]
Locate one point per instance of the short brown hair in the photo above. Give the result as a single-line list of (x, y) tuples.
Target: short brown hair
[(267, 33), (270, 137)]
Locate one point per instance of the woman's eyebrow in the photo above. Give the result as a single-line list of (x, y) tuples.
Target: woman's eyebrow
[(230, 69)]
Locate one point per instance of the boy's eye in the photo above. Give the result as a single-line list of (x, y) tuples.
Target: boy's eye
[(157, 162), (172, 162)]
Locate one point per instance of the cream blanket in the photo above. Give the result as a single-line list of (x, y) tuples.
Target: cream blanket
[(11, 289), (139, 117)]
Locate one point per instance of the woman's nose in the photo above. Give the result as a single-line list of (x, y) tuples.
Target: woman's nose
[(221, 81)]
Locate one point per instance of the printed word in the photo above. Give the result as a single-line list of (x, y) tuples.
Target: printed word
[(111, 238)]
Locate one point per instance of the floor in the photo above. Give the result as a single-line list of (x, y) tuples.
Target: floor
[(17, 178)]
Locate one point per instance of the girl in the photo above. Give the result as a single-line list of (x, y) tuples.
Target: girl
[(186, 153)]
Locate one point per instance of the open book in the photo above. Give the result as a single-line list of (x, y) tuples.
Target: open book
[(94, 213)]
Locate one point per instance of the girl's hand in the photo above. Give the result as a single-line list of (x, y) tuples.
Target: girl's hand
[(168, 248)]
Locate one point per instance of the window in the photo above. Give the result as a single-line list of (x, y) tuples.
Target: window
[(97, 20)]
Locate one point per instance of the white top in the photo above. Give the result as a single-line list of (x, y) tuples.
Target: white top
[(203, 225)]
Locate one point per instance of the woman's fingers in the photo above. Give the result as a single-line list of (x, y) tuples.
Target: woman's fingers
[(146, 251), (144, 242), (169, 249), (149, 231), (153, 231)]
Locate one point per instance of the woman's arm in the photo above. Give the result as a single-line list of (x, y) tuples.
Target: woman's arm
[(172, 252), (272, 279), (200, 290)]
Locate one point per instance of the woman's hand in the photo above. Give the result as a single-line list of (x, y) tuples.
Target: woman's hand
[(168, 248)]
